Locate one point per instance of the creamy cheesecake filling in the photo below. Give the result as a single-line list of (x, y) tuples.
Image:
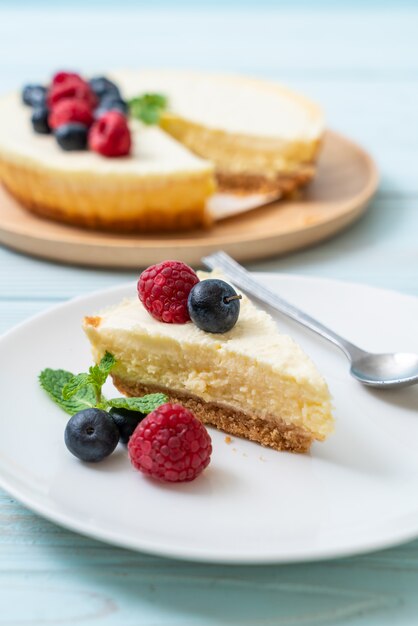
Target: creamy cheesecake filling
[(252, 368)]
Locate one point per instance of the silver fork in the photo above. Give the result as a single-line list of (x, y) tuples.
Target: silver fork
[(397, 369)]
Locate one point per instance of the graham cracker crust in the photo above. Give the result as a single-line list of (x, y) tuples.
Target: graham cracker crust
[(284, 184), (277, 434)]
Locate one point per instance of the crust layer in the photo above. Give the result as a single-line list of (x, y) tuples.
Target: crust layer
[(277, 434), (257, 183), (126, 205)]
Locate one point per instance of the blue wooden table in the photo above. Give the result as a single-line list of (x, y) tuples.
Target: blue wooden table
[(360, 60)]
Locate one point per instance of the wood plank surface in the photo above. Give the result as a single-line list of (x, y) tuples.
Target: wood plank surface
[(360, 60)]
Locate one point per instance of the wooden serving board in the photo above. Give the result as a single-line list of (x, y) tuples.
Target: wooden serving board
[(345, 182)]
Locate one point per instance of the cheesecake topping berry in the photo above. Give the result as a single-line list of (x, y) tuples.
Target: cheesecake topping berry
[(111, 102), (164, 288), (70, 105), (172, 292), (62, 77), (170, 445), (70, 110), (110, 136), (102, 87), (39, 119), (70, 100), (214, 305), (71, 88), (72, 136), (34, 95)]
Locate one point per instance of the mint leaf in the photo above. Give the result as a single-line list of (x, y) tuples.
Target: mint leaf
[(96, 378), (150, 115), (54, 381), (144, 405), (107, 363), (98, 373), (155, 99), (148, 107), (74, 385)]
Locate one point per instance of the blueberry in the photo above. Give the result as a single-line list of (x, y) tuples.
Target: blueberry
[(102, 86), (213, 305), (34, 95), (72, 136), (91, 435), (126, 421), (39, 119), (111, 103)]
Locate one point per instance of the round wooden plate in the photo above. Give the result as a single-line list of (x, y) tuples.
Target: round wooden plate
[(345, 182)]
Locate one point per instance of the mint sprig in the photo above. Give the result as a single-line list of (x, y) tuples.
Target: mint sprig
[(148, 107), (74, 393)]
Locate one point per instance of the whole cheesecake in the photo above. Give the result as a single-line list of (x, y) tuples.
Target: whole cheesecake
[(251, 381), (235, 133)]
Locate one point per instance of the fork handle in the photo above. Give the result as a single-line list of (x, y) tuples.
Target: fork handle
[(243, 279)]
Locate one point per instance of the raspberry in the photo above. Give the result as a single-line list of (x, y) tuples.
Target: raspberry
[(164, 288), (71, 88), (170, 444), (61, 77), (70, 110), (110, 135)]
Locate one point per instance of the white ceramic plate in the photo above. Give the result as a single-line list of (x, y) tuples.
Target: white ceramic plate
[(356, 492)]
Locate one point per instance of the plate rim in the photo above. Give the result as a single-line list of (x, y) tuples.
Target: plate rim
[(357, 547)]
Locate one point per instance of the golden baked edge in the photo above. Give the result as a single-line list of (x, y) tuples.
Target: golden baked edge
[(104, 203)]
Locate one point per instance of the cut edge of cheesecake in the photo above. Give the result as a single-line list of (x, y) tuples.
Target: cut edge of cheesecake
[(240, 166), (247, 158)]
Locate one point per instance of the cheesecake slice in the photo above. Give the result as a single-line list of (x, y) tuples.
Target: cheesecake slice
[(259, 135), (252, 381)]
